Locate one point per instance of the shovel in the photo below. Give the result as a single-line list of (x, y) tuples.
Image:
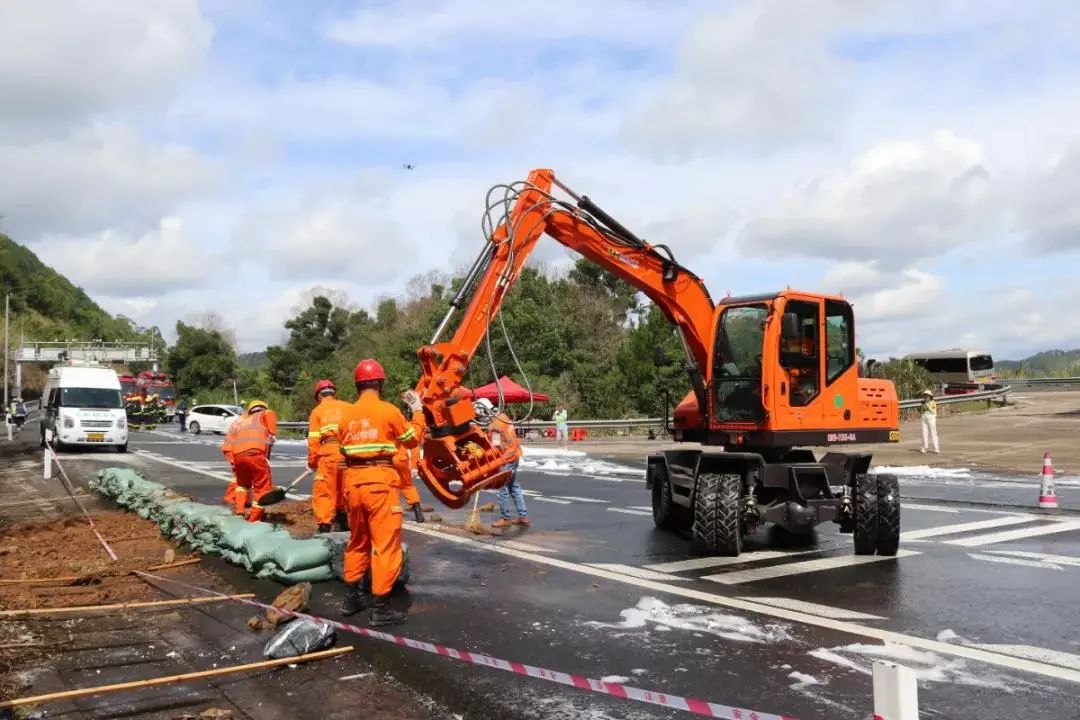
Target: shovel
[(278, 494)]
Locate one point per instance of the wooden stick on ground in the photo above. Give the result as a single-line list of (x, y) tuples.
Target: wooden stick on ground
[(42, 581), (139, 684), (181, 563), (124, 606)]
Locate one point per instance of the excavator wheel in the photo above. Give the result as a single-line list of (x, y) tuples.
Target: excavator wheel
[(866, 514), (888, 515), (666, 514), (717, 514)]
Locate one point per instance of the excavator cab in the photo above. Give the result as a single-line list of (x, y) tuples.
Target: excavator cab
[(784, 373)]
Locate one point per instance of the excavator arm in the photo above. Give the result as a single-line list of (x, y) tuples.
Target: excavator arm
[(458, 459)]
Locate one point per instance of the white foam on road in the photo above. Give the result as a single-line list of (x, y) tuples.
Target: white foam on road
[(922, 471), (929, 667), (573, 462), (696, 618), (619, 679)]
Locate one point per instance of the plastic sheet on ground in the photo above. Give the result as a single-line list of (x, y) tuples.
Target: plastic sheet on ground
[(299, 638)]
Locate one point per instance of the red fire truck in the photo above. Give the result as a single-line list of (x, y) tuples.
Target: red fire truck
[(158, 383)]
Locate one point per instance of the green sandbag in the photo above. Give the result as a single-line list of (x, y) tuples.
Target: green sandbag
[(316, 574), (294, 555), (260, 548), (236, 537)]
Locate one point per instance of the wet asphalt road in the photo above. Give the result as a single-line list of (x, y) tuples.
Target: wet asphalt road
[(791, 627)]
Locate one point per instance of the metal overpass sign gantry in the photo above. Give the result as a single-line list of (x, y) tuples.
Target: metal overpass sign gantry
[(99, 352)]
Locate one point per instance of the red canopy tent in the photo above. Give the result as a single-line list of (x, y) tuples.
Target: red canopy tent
[(512, 392)]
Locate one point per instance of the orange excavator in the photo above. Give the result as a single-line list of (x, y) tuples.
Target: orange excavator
[(772, 376)]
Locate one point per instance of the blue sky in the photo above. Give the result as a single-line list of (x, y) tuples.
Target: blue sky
[(923, 158)]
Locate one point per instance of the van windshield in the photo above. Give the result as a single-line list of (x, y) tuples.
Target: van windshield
[(98, 398)]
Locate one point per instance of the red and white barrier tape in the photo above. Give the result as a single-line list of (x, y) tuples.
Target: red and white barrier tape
[(70, 490), (652, 697)]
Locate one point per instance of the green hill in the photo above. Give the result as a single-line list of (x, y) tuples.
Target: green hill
[(46, 306), (1049, 363)]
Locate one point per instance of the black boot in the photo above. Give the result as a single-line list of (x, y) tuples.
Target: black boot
[(341, 522), (381, 614), (323, 528), (356, 599)]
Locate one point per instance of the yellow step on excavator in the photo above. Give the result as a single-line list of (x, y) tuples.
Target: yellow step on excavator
[(773, 376)]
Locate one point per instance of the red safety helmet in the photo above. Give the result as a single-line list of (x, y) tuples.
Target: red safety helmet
[(324, 385), (368, 370)]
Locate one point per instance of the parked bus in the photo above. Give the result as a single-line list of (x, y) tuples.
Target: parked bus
[(957, 367)]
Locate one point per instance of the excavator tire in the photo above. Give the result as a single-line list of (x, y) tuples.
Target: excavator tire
[(665, 512), (866, 514), (717, 506), (888, 514)]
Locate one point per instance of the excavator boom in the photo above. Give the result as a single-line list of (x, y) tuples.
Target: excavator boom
[(458, 459)]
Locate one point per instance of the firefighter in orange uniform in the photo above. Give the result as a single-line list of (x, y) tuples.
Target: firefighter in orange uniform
[(373, 432), (405, 463), (247, 448), (324, 457)]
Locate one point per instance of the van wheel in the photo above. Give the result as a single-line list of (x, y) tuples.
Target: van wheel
[(194, 428), (122, 448)]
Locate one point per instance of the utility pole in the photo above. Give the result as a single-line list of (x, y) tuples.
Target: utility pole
[(7, 314)]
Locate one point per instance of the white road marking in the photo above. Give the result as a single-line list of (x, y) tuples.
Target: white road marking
[(928, 508), (1048, 529), (943, 648), (557, 501), (961, 527), (582, 499), (807, 566), (1059, 559), (1015, 561), (1030, 652), (184, 466), (628, 511), (710, 562), (644, 508), (637, 572), (814, 609)]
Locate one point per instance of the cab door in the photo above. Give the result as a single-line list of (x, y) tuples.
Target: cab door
[(840, 402), (801, 365)]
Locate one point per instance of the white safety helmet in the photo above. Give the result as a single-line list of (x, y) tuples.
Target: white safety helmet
[(483, 407)]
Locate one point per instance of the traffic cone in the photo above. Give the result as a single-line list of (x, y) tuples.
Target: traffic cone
[(1047, 497)]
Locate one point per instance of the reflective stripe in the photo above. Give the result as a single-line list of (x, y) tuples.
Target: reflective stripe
[(407, 435), (328, 428), (375, 448), (240, 489), (313, 436)]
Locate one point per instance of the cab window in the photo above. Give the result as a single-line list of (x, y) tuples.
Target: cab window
[(839, 339), (800, 355)]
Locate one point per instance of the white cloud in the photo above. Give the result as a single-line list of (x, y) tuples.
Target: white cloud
[(898, 201), (98, 177), (435, 24), (760, 72), (117, 264), (1048, 213), (62, 61)]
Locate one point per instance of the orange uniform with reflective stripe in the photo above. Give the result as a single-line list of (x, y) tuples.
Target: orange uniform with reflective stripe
[(405, 463), (324, 456), (246, 447), (502, 433), (372, 434)]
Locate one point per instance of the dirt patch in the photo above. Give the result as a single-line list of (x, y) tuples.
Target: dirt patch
[(293, 515)]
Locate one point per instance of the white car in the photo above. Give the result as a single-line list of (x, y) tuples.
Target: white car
[(212, 418)]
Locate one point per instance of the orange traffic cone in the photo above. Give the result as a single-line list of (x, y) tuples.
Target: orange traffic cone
[(1047, 497)]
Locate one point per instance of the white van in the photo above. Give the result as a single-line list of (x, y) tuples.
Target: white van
[(82, 405)]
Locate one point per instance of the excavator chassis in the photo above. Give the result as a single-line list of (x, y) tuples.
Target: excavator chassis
[(718, 498)]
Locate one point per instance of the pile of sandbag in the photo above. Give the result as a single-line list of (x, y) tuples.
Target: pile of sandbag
[(261, 548)]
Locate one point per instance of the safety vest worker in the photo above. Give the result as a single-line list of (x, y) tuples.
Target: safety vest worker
[(405, 462), (324, 457), (247, 448), (372, 433)]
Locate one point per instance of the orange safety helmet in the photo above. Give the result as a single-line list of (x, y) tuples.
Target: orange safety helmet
[(369, 370), (324, 385)]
